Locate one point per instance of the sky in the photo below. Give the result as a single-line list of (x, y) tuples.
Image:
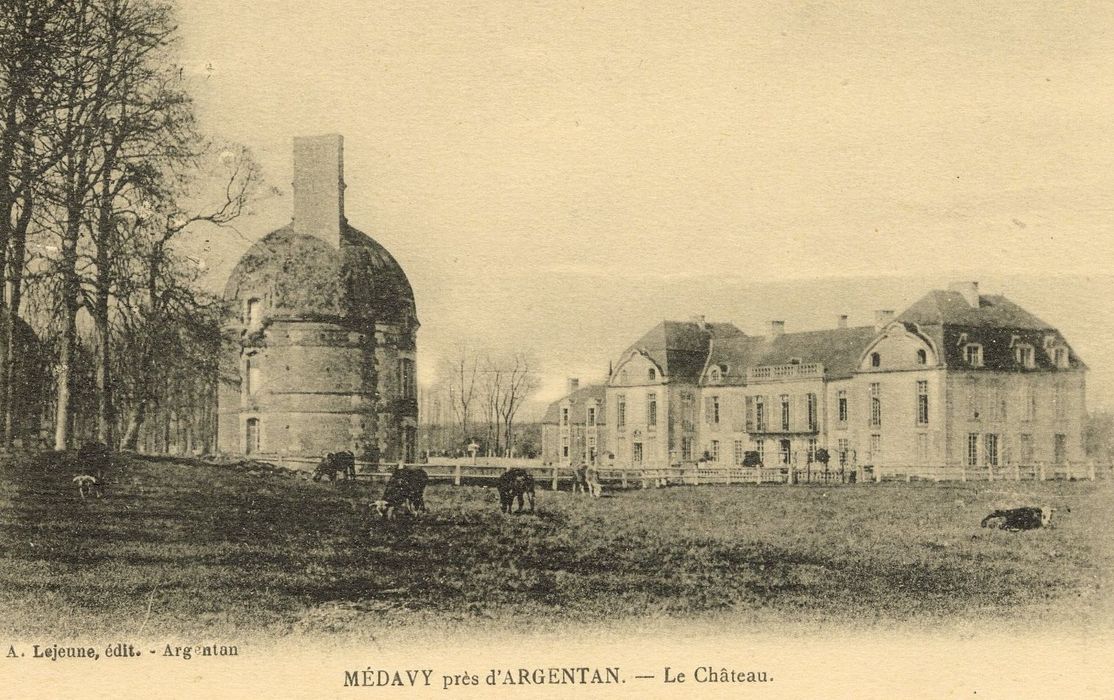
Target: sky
[(558, 177)]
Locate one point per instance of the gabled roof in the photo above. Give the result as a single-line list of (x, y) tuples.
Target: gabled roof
[(680, 348), (837, 349), (577, 402), (940, 307)]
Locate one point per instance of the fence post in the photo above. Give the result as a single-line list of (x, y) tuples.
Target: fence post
[(1017, 472), (758, 472), (554, 477), (877, 474), (1091, 470), (456, 474), (963, 472), (623, 478), (1040, 470), (989, 472)]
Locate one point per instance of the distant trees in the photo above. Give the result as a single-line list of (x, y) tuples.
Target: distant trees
[(101, 169)]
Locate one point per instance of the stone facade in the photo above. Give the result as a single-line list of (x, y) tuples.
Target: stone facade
[(322, 335)]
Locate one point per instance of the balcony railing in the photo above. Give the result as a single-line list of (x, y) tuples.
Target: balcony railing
[(774, 373)]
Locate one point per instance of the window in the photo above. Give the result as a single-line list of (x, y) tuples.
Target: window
[(714, 375), (1060, 449), (841, 405), (637, 454), (564, 415), (875, 405), (715, 450), (974, 402), (843, 447), (972, 449), (1060, 357), (1028, 403), (922, 448), (760, 448), (651, 409), (686, 449), (255, 314), (251, 436), (785, 412), (620, 412), (739, 452), (688, 412), (749, 414), (711, 408), (876, 448), (922, 403), (1024, 356), (591, 416), (565, 446), (922, 357), (875, 360), (785, 451), (251, 367), (1059, 401), (406, 384), (972, 354), (760, 412), (810, 402), (812, 450), (990, 449), (1025, 446), (652, 374)]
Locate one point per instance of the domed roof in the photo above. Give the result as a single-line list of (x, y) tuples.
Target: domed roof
[(303, 276)]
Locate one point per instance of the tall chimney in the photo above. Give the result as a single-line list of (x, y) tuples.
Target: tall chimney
[(841, 321), (969, 290), (319, 186), (882, 317), (777, 328), (574, 384)]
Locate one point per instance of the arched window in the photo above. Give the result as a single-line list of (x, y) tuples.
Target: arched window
[(922, 357), (653, 374), (714, 374), (875, 360), (251, 435)]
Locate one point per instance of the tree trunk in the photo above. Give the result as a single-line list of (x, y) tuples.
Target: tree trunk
[(136, 416)]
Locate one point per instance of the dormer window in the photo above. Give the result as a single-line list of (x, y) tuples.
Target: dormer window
[(714, 375), (972, 354), (623, 377), (922, 357), (254, 314), (875, 359), (1024, 356), (653, 374), (1060, 357)]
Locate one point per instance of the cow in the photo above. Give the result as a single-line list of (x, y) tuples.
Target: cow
[(336, 463), (592, 481), (580, 478), (513, 485), (87, 483), (405, 489), (1015, 519)]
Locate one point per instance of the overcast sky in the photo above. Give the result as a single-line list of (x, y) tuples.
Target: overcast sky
[(559, 177)]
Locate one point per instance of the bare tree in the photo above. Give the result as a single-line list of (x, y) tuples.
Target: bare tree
[(520, 380)]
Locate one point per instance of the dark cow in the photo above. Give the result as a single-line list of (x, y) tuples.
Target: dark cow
[(1015, 519), (405, 489), (513, 485), (580, 479), (336, 463)]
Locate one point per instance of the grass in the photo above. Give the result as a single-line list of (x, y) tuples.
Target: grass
[(179, 549)]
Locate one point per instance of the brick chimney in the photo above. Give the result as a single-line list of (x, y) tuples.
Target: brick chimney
[(969, 290), (882, 317), (841, 321), (319, 186), (573, 384), (777, 328)]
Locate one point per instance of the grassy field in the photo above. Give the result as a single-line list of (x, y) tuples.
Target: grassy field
[(178, 549)]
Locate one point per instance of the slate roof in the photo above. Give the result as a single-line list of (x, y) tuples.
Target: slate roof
[(837, 349), (680, 348), (578, 401)]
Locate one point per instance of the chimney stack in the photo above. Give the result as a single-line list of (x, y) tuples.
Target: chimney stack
[(777, 328), (319, 186), (841, 321), (969, 290), (882, 317), (574, 384)]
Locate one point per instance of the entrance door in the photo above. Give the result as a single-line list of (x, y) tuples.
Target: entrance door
[(251, 444)]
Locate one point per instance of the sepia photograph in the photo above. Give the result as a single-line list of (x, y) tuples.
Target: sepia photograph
[(556, 349)]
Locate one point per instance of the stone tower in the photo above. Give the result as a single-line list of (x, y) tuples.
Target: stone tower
[(323, 332)]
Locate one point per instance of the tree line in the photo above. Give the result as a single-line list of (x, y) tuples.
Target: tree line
[(103, 170)]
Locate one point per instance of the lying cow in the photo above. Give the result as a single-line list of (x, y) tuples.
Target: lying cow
[(1015, 519), (406, 490), (336, 463), (514, 485)]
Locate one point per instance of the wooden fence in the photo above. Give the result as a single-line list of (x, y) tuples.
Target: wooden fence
[(553, 476)]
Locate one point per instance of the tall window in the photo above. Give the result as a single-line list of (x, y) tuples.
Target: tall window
[(252, 373), (922, 357), (620, 412), (739, 452), (1028, 403), (715, 450), (564, 415), (785, 450), (972, 354), (711, 409), (565, 446), (841, 405), (1060, 357), (876, 448), (1025, 447), (843, 446), (760, 412), (1060, 449), (255, 314), (875, 405), (407, 385), (749, 414), (591, 416), (990, 449), (785, 412), (1024, 356), (651, 409), (688, 411), (812, 450), (922, 448), (972, 449), (1060, 401), (686, 449), (811, 405), (922, 403), (760, 448)]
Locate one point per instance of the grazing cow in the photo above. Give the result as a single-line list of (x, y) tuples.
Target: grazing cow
[(405, 489), (1015, 519), (336, 463), (87, 483), (513, 485), (580, 478)]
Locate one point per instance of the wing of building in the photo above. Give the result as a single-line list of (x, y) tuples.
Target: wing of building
[(958, 379), (323, 332)]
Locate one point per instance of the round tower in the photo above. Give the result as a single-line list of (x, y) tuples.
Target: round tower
[(322, 330)]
